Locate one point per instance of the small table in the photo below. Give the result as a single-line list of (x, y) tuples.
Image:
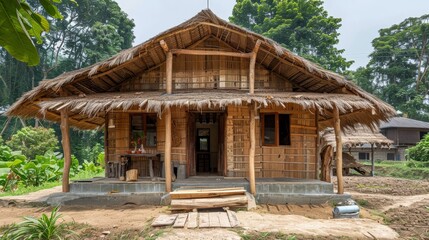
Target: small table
[(149, 156)]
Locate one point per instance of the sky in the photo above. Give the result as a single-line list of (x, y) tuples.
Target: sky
[(361, 19)]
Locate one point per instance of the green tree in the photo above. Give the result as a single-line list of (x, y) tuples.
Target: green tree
[(399, 66), (362, 77), (303, 26), (94, 31), (19, 22), (34, 141)]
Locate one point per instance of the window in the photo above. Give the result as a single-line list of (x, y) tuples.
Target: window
[(363, 156), (390, 156), (422, 135), (143, 130), (275, 129)]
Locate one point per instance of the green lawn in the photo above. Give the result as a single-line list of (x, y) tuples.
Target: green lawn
[(400, 169), (24, 190)]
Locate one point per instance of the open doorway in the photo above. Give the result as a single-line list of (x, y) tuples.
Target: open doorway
[(206, 143)]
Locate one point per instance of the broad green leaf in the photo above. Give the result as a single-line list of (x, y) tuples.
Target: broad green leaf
[(51, 9), (4, 171), (13, 37)]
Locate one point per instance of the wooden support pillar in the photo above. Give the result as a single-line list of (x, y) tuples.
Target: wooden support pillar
[(167, 151), (169, 73), (252, 67), (252, 182), (372, 160), (339, 152), (65, 136)]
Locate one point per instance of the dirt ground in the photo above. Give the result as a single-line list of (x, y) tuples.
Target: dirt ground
[(386, 204)]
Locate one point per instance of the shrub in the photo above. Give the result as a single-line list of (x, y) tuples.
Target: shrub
[(34, 141), (420, 152), (45, 227), (35, 172)]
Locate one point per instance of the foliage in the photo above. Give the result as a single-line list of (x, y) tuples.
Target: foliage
[(45, 227), (420, 152), (19, 23), (399, 64), (302, 26), (92, 167), (34, 141), (35, 172)]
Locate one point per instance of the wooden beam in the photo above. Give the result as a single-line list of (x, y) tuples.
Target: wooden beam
[(339, 152), (164, 46), (66, 149), (167, 150), (211, 53), (343, 115), (372, 160), (169, 73), (252, 110), (252, 64)]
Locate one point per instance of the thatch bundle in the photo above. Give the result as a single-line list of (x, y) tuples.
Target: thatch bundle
[(355, 136)]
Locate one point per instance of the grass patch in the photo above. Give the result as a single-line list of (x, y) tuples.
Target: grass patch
[(362, 202), (253, 235), (148, 233), (400, 169), (386, 219), (24, 190), (21, 190), (86, 175)]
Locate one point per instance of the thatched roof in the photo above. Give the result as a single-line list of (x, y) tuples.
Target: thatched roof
[(355, 137), (106, 77)]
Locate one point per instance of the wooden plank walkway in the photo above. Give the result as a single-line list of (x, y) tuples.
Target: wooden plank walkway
[(198, 219)]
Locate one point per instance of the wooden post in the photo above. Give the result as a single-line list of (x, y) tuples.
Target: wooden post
[(66, 149), (372, 160), (252, 110), (167, 151), (252, 67), (169, 73), (339, 153)]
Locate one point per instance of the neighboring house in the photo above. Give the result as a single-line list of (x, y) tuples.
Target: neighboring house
[(211, 98), (405, 133)]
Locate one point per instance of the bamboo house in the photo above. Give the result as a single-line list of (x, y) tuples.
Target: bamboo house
[(206, 97)]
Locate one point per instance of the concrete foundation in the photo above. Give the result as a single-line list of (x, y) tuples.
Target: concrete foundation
[(104, 191)]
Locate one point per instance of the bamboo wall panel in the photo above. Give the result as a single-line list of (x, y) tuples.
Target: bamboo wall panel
[(179, 128), (207, 72), (297, 160)]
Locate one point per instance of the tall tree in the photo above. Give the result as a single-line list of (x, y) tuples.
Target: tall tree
[(89, 33), (399, 66), (303, 26)]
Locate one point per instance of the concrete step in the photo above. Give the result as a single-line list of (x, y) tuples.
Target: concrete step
[(295, 188), (278, 198), (117, 187), (118, 199)]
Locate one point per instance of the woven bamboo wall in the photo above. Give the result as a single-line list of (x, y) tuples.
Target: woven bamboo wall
[(178, 141), (297, 160), (207, 72)]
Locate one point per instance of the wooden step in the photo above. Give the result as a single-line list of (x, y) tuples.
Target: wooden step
[(205, 203), (206, 193)]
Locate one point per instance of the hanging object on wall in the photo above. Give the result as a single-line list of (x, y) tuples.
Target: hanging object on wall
[(111, 123)]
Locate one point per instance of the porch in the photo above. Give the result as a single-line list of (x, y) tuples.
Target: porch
[(108, 191)]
